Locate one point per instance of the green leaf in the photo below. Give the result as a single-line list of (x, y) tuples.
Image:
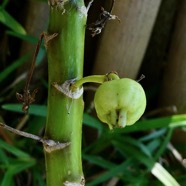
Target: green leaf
[(10, 22), (37, 177), (163, 145), (171, 121), (92, 122), (98, 160), (14, 169), (154, 145), (129, 141), (41, 55), (38, 122), (13, 150), (156, 169), (99, 145), (14, 166), (7, 71), (115, 171), (37, 110), (3, 157), (28, 38), (163, 175), (153, 135), (4, 3), (134, 152)]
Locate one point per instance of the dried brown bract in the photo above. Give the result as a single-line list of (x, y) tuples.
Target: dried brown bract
[(105, 16)]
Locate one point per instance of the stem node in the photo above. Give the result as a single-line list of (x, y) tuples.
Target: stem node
[(48, 38), (82, 183), (65, 88), (51, 145)]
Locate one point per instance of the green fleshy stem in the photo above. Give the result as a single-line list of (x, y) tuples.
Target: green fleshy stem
[(65, 55)]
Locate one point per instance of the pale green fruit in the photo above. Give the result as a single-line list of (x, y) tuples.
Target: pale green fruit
[(120, 102)]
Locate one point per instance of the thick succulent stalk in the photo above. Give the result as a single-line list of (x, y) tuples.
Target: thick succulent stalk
[(65, 51)]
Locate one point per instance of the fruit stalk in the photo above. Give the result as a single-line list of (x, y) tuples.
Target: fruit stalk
[(94, 79)]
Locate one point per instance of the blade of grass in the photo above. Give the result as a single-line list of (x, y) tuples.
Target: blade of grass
[(7, 71), (92, 122), (154, 145), (3, 158), (28, 38), (135, 153), (149, 162), (38, 122), (14, 169), (154, 134), (163, 145), (4, 3), (98, 146), (13, 150), (37, 178), (163, 175), (98, 160), (129, 141), (116, 171), (172, 122), (37, 110), (10, 22), (40, 110)]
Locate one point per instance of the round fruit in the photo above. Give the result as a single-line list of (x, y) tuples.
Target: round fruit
[(120, 102)]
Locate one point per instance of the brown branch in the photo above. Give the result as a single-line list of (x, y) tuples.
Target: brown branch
[(50, 145)]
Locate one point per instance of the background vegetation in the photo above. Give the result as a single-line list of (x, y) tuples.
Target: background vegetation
[(151, 39)]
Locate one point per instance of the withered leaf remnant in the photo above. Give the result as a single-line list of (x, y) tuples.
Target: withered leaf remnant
[(104, 16)]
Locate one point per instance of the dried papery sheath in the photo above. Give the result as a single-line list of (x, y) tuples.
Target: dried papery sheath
[(72, 184), (89, 5), (65, 88), (83, 11), (51, 145), (82, 183), (58, 4), (48, 38)]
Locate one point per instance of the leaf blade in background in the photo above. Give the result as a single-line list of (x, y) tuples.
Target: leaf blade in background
[(13, 150), (98, 160), (153, 135), (7, 71), (38, 177), (163, 145), (3, 158), (15, 169), (171, 121), (92, 122), (37, 110), (28, 38), (150, 163), (10, 22), (110, 173), (163, 175)]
